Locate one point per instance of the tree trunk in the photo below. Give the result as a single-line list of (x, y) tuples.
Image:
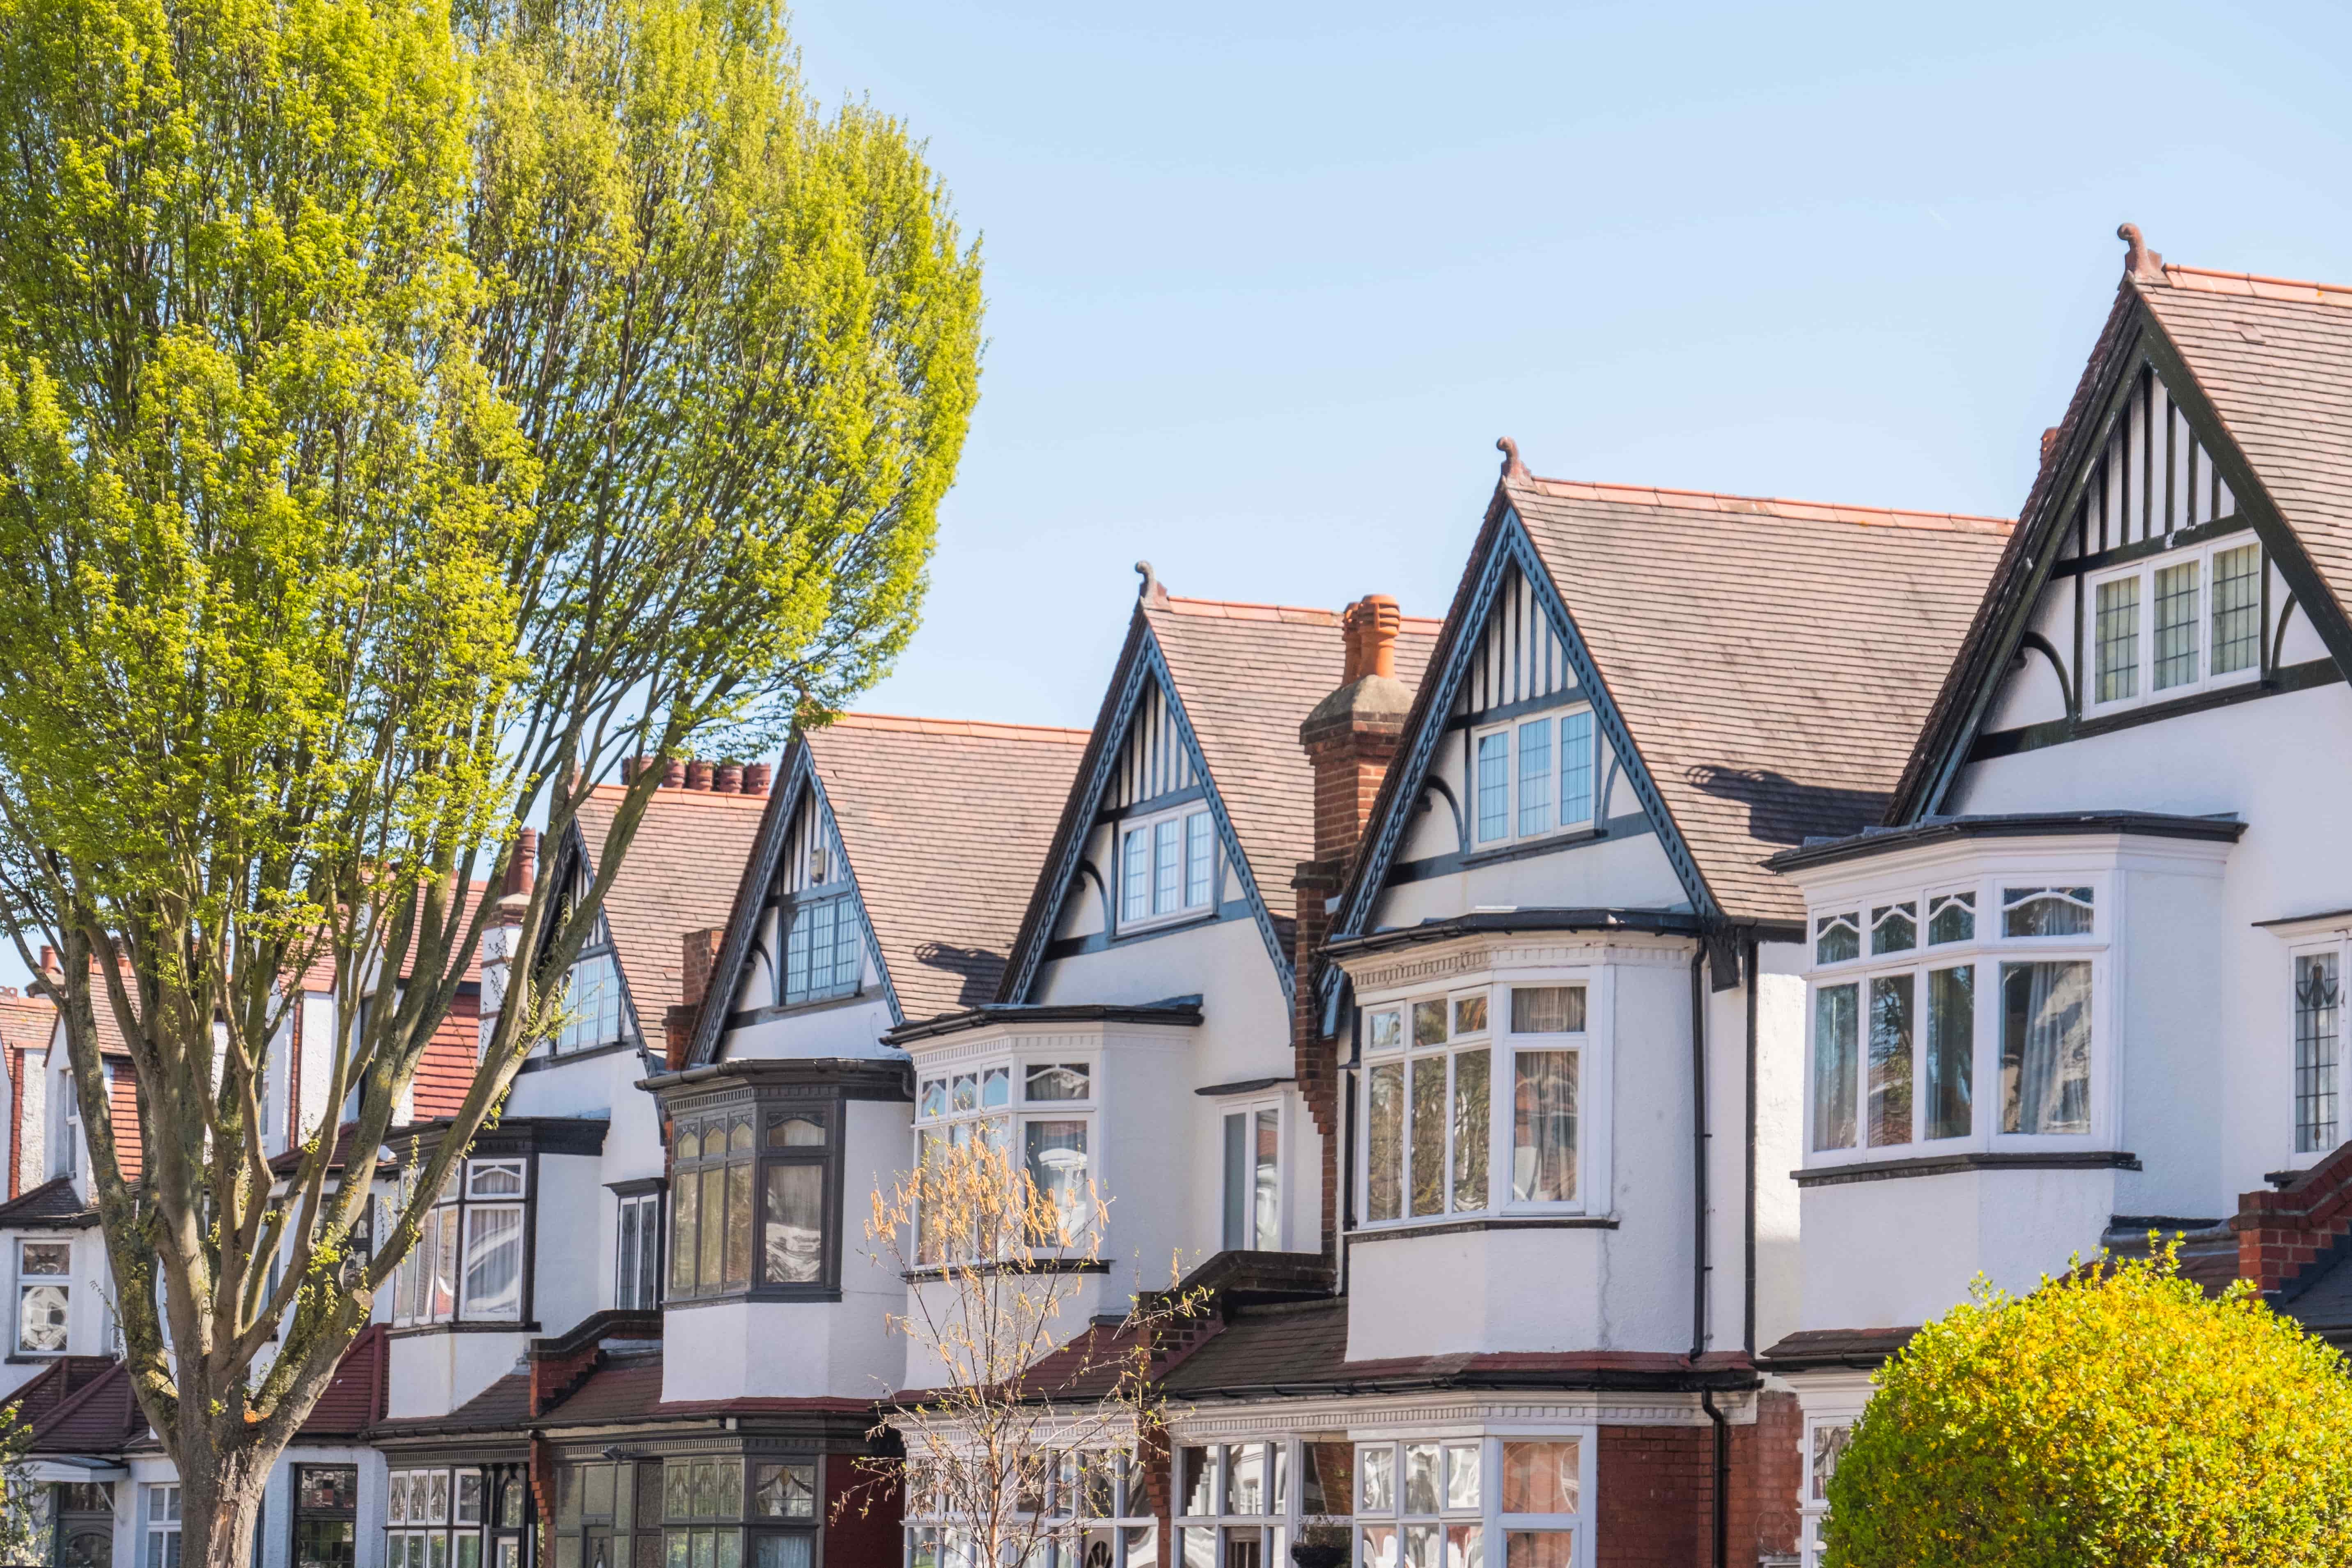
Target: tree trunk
[(220, 1507)]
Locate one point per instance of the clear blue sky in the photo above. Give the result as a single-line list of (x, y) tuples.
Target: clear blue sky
[(1264, 282)]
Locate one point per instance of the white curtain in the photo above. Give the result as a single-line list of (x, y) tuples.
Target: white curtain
[(2046, 1051)]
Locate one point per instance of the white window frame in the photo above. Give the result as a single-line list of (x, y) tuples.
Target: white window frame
[(1250, 1109), (1987, 950), (159, 1525), (1011, 1118), (1185, 905), (933, 1538), (468, 1194), (1494, 1524), (1813, 1509), (1557, 773), (26, 1282), (2144, 569), (1503, 1048)]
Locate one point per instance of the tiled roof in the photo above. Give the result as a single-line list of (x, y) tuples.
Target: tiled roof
[(52, 1206), (1821, 1349), (27, 1023), (355, 1398), (445, 1073), (505, 1403), (945, 822), (678, 877), (55, 1383), (1773, 660), (100, 1416), (1249, 675), (1302, 1348), (2275, 358)]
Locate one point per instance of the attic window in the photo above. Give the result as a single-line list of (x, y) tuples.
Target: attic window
[(822, 954), (2175, 624), (1166, 866), (1533, 778)]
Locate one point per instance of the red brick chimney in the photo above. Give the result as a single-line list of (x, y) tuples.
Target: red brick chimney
[(701, 955), (1350, 738)]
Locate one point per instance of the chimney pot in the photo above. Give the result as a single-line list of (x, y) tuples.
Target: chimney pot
[(629, 770), (1382, 622), (522, 867), (673, 774), (48, 959), (729, 780), (755, 778), (697, 775)]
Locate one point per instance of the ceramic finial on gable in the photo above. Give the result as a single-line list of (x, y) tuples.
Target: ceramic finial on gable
[(1512, 467), (2140, 263)]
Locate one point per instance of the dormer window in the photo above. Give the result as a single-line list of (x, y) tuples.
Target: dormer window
[(1166, 866), (823, 956), (2174, 624), (1534, 776)]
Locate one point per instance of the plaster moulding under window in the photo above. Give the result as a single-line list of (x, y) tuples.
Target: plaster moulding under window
[(1452, 1415), (991, 1046), (1480, 958)]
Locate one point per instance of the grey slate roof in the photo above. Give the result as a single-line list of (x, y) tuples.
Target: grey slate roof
[(1773, 660), (944, 822), (2275, 358), (1249, 675)]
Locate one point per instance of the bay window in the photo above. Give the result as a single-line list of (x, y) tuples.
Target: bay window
[(752, 1199), (2176, 624), (1451, 1503), (1090, 1507), (433, 1517), (468, 1264), (1048, 1134), (1166, 866), (1897, 1033), (1533, 777), (1441, 1089)]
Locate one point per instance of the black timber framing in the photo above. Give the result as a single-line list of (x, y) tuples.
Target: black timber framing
[(2134, 337)]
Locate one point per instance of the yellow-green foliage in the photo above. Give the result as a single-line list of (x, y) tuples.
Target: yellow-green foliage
[(2116, 1418)]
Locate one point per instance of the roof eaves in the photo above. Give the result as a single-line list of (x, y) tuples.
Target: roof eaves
[(2224, 828)]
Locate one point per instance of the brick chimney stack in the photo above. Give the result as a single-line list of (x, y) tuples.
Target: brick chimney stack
[(1350, 739), (700, 957)]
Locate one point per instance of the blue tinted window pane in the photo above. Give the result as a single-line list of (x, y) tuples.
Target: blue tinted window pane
[(1577, 766), (1535, 776), (1494, 787), (1135, 877), (1167, 870), (1196, 859)]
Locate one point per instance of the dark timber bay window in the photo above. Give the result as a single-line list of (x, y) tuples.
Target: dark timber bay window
[(750, 1208)]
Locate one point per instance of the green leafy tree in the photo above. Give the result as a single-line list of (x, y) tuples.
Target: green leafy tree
[(403, 417), (2116, 1418)]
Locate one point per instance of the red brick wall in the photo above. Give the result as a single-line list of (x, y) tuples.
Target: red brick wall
[(860, 1536), (1655, 1485), (1657, 1507), (2279, 1232), (1767, 1469)]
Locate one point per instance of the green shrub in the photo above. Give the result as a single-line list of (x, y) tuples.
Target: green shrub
[(2118, 1417)]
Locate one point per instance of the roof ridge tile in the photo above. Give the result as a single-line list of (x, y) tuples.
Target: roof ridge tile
[(1764, 506)]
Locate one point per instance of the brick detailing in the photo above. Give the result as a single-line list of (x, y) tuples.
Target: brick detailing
[(1349, 740), (1153, 1456), (1768, 1467), (2281, 1232), (1656, 1486), (700, 950), (862, 1517)]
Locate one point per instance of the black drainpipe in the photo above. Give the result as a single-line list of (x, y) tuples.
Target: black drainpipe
[(1748, 1336), (1698, 1153), (1699, 1266)]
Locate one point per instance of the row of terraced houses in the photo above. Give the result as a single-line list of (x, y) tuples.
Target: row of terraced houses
[(1570, 1042)]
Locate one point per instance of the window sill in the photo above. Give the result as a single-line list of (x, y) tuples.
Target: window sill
[(475, 1326), (1491, 1222), (33, 1357), (1975, 1160), (751, 1016), (932, 1273), (1154, 925), (1520, 848), (765, 1293)]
